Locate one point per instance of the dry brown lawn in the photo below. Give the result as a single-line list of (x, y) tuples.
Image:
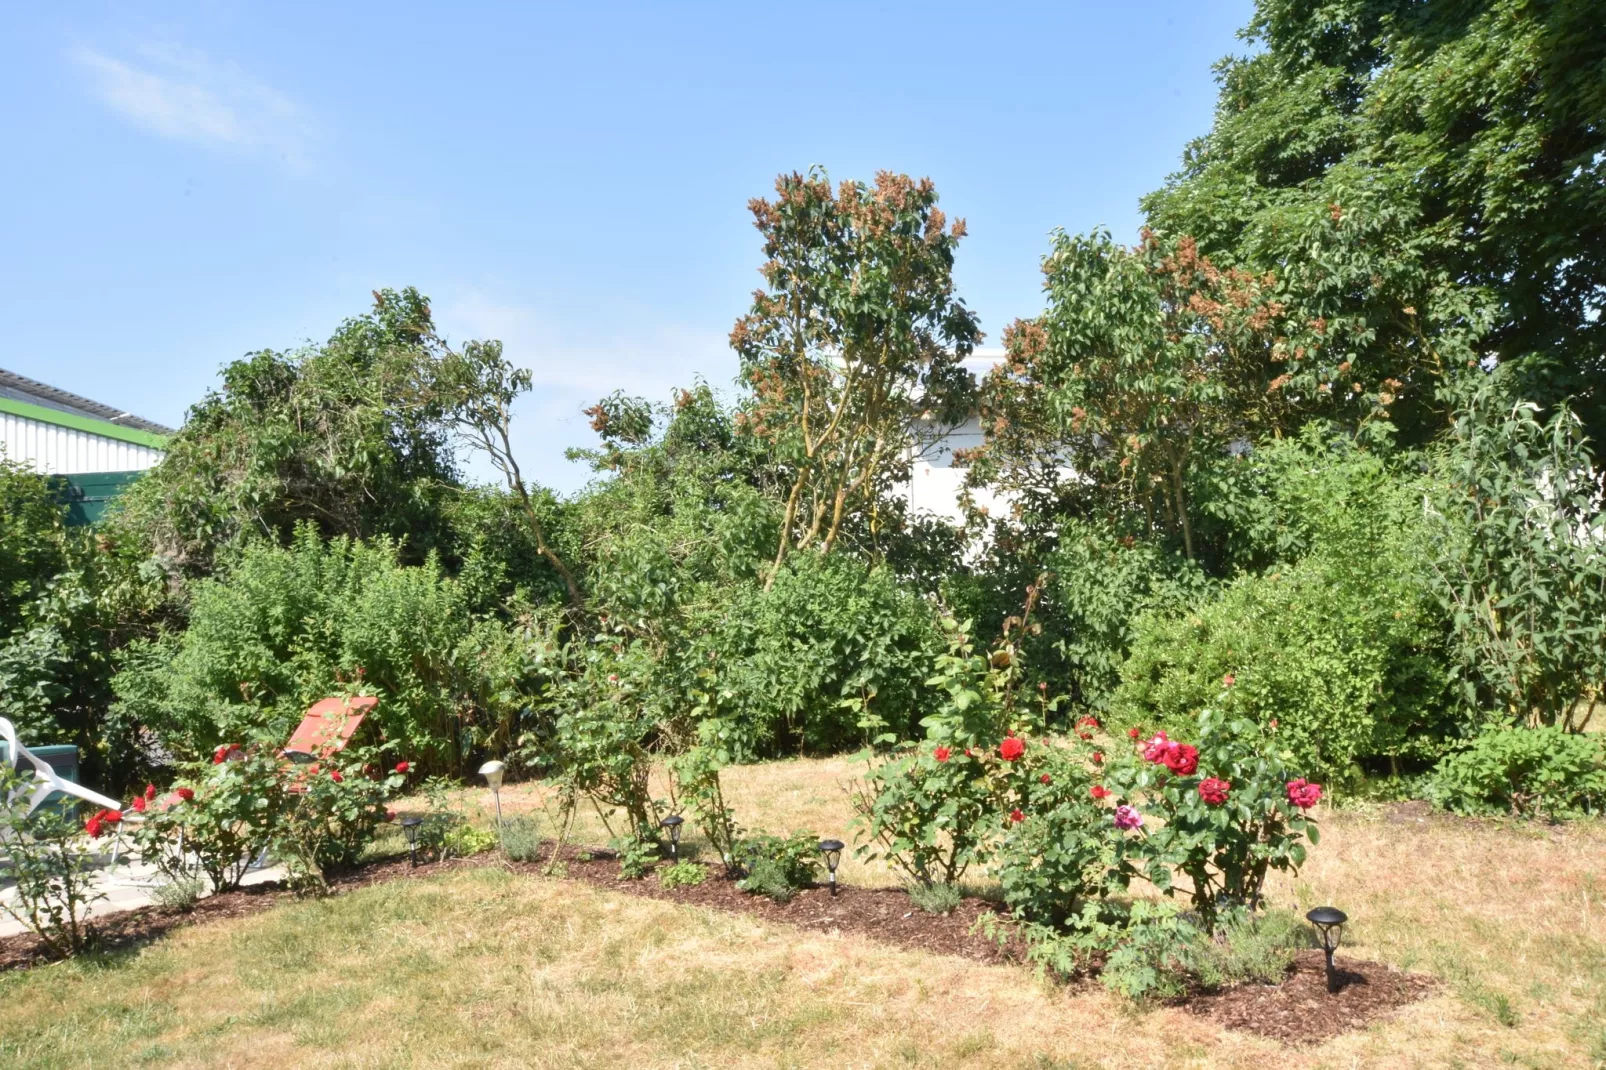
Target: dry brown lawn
[(481, 967)]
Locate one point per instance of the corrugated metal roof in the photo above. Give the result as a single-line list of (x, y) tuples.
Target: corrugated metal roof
[(22, 388)]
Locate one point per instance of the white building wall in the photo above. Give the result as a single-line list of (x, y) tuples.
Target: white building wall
[(63, 451), (935, 484)]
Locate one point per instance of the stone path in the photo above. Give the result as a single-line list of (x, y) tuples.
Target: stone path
[(127, 885)]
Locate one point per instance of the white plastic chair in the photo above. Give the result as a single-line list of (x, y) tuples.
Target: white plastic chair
[(45, 779)]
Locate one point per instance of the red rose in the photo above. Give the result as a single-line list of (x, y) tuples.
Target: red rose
[(1099, 791), (1011, 749), (1304, 794), (220, 753), (1182, 759), (968, 754), (1016, 817), (1098, 757), (1134, 731), (111, 817), (334, 774), (1044, 778), (390, 815), (1156, 748), (1089, 722), (1214, 791), (150, 792), (1228, 680), (187, 794), (92, 826), (941, 754), (139, 804), (402, 767)]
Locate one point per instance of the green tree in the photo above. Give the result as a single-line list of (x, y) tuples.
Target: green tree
[(1148, 362), (853, 350), (330, 436), (1429, 183)]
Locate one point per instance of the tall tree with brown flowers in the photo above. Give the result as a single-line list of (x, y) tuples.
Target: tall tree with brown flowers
[(853, 348)]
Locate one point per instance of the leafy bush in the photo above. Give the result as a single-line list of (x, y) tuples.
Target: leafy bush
[(49, 865), (776, 866), (682, 875), (798, 659), (286, 626), (1529, 772), (1338, 639), (1100, 583), (1520, 558), (69, 597)]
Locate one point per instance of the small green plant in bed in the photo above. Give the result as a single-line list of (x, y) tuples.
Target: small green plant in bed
[(521, 838), (682, 875), (935, 898), (776, 866), (636, 858)]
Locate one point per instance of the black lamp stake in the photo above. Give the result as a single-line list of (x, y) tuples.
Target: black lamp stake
[(1329, 921), (410, 826), (671, 824), (832, 850)]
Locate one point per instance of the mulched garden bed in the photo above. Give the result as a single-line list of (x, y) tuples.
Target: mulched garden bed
[(1301, 1012), (1298, 1012), (883, 914)]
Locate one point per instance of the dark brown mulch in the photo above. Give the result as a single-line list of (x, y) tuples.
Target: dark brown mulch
[(883, 914), (1301, 1012)]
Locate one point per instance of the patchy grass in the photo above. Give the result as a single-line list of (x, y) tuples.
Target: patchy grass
[(480, 967)]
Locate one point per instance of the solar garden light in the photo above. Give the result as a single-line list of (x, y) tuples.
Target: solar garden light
[(1329, 921), (410, 826), (492, 772), (672, 825), (832, 850)]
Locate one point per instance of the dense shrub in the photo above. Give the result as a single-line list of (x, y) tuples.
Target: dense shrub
[(1341, 644), (286, 626), (1519, 532), (1530, 772), (69, 598), (798, 660), (1099, 585)]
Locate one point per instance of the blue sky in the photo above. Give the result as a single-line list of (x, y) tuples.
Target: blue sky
[(187, 183)]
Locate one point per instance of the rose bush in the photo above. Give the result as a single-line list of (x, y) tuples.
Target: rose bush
[(247, 798), (1227, 829)]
